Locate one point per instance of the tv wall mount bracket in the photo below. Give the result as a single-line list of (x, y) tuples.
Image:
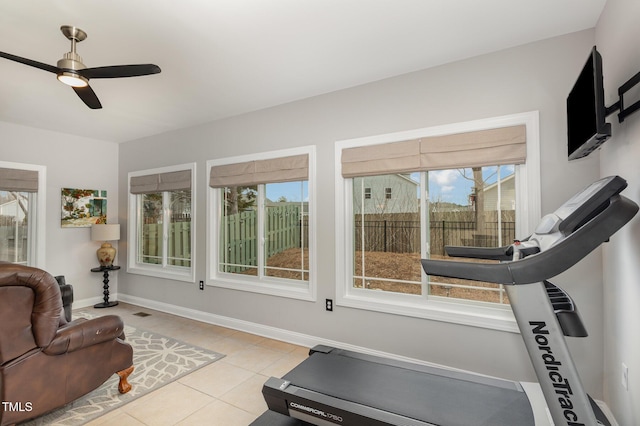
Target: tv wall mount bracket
[(619, 106)]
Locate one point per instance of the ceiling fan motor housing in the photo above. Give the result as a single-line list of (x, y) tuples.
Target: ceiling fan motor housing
[(71, 61), (69, 66)]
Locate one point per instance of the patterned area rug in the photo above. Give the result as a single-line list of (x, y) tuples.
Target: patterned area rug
[(158, 360)]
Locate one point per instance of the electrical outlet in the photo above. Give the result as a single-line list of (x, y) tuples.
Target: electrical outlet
[(625, 376), (201, 285), (329, 304)]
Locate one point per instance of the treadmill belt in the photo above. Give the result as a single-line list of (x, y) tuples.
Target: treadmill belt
[(431, 398)]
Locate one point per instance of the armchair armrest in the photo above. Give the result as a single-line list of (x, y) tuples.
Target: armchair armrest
[(83, 333)]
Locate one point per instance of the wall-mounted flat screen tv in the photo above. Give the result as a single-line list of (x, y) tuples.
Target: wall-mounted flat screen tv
[(586, 112)]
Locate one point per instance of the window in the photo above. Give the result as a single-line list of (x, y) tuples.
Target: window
[(261, 223), (442, 195), (462, 207), (160, 222), (22, 190), (367, 193)]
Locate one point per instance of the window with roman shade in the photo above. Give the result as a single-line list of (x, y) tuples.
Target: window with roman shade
[(262, 219), (20, 219), (404, 196), (161, 222)]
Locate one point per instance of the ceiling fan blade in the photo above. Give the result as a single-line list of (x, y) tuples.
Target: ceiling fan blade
[(30, 62), (117, 71), (88, 96)]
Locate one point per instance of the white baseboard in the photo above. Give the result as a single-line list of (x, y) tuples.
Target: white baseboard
[(85, 303), (288, 336)]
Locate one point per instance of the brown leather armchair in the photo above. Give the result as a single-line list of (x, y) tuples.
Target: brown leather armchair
[(45, 361)]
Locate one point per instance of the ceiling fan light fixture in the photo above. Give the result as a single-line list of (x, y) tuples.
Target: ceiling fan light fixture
[(71, 71), (72, 79)]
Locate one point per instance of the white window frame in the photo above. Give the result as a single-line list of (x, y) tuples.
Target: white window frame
[(528, 213), (265, 285), (37, 214), (178, 273)]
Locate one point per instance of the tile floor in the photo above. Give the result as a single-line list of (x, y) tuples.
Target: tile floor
[(226, 393)]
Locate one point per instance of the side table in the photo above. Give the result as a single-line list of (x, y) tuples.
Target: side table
[(105, 275)]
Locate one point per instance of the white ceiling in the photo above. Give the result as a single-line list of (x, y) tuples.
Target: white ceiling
[(221, 58)]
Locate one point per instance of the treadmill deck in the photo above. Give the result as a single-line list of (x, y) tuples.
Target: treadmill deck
[(378, 388)]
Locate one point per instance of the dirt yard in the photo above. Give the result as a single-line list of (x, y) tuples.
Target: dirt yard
[(396, 266)]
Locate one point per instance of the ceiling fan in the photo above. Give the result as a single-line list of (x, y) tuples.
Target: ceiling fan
[(71, 71)]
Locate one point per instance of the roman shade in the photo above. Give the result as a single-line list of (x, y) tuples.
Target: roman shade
[(492, 147), (273, 170), (18, 180), (158, 182)]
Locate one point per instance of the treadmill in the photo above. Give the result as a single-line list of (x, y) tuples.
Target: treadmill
[(335, 386)]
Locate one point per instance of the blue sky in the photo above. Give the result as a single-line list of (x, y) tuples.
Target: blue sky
[(292, 191), (452, 187), (444, 185)]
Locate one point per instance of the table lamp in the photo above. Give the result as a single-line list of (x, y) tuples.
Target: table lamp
[(103, 232)]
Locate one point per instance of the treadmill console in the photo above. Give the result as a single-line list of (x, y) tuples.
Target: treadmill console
[(562, 239), (587, 203)]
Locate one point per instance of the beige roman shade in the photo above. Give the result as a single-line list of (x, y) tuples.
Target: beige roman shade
[(505, 145), (395, 157), (158, 182), (272, 170), (18, 180)]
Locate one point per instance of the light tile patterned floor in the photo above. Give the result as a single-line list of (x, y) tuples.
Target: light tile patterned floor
[(226, 393)]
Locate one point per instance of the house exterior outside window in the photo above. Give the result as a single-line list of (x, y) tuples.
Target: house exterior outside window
[(22, 218), (433, 210)]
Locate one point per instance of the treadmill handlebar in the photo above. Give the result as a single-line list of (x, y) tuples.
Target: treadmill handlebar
[(492, 253), (546, 264)]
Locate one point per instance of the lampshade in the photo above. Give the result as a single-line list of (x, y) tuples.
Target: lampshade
[(110, 232), (106, 253)]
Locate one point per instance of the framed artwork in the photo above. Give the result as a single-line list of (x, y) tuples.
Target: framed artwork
[(82, 208)]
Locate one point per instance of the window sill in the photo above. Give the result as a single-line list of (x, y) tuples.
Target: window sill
[(159, 272), (469, 314), (303, 291)]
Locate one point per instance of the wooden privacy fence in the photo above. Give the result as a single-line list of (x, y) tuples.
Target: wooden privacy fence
[(178, 243), (285, 228), (401, 233), (13, 248), (398, 233), (240, 243)]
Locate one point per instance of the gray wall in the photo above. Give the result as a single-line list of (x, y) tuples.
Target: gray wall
[(616, 36), (71, 162), (537, 76)]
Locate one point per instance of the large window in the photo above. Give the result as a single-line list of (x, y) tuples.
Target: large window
[(161, 222), (261, 223), (431, 210), (21, 221), (406, 196)]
